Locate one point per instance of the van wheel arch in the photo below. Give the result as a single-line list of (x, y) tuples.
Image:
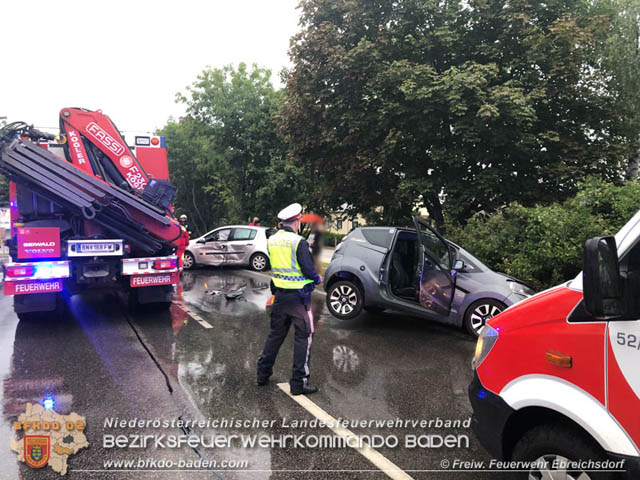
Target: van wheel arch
[(466, 319), (526, 419), (337, 277)]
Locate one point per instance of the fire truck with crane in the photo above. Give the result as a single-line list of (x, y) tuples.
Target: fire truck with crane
[(94, 216)]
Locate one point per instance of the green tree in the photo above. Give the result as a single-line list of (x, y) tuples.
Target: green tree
[(621, 55), (226, 156), (543, 244), (399, 104)]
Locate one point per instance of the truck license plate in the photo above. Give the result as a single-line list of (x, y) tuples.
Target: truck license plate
[(96, 247), (86, 248)]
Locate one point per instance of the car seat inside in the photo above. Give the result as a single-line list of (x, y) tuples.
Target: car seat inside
[(404, 277)]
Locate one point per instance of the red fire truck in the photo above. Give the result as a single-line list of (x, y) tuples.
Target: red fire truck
[(88, 212), (557, 376)]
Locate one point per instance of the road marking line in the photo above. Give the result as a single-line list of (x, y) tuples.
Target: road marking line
[(194, 315), (375, 457)]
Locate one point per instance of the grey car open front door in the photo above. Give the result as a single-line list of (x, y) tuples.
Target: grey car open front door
[(437, 284)]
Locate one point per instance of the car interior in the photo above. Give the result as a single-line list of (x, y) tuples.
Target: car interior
[(403, 276)]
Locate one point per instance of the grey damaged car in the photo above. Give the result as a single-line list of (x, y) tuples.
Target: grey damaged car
[(419, 272)]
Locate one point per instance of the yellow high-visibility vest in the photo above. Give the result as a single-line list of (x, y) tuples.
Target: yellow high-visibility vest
[(285, 269)]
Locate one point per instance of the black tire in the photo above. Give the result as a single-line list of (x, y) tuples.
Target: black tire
[(345, 300), (57, 313), (133, 306), (547, 442), (188, 261), (37, 316), (374, 310), (479, 312), (259, 262), (159, 306)]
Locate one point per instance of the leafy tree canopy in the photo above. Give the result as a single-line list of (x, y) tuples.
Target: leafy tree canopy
[(395, 104), (225, 155), (542, 244)]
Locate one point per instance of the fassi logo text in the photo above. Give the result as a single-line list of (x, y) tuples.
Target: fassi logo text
[(105, 139)]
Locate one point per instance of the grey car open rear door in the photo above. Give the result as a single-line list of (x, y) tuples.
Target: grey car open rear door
[(437, 284)]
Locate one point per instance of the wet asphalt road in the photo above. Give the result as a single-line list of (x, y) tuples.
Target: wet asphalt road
[(101, 362)]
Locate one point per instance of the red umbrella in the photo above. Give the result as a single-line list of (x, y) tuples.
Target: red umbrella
[(311, 218)]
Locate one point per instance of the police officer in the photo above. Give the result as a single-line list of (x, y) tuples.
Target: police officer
[(293, 279)]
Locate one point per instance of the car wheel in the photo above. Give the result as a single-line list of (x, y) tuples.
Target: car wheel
[(188, 261), (548, 447), (259, 262), (479, 312), (344, 300)]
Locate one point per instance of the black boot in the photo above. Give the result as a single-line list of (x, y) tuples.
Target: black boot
[(305, 390), (261, 382)]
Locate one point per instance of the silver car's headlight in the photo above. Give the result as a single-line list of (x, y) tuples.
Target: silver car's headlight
[(487, 339), (520, 289)]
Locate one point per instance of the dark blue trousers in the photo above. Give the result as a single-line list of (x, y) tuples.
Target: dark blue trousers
[(284, 313)]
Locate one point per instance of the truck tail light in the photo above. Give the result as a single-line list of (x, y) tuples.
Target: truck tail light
[(20, 271), (37, 270), (164, 264)]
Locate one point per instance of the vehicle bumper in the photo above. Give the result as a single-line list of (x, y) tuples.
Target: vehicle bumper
[(631, 465), (514, 298), (490, 415)]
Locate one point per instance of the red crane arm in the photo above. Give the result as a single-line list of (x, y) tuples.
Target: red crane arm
[(87, 131)]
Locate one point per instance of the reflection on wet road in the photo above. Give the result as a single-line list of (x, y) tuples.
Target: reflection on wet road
[(100, 362)]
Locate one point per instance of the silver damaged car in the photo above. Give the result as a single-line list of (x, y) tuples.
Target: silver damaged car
[(230, 245)]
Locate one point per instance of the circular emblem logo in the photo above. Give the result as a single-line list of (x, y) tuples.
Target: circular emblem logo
[(126, 161)]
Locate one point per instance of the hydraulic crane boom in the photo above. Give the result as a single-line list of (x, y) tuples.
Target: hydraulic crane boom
[(95, 146), (89, 218)]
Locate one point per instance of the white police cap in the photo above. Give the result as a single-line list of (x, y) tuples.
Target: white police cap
[(291, 212)]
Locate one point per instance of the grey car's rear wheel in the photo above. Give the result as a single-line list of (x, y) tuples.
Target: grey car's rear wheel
[(344, 300), (479, 313), (188, 261), (259, 262)]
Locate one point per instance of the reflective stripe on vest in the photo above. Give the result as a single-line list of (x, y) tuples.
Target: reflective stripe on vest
[(285, 268)]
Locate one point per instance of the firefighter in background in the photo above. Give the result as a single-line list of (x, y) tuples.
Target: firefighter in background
[(184, 224), (183, 241), (293, 278)]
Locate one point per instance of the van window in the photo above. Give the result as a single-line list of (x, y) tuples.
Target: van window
[(471, 264), (378, 236)]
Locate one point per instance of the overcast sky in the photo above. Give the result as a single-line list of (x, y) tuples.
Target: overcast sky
[(129, 58)]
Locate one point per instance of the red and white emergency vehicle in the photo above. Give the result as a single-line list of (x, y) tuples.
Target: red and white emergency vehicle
[(557, 376), (86, 212)]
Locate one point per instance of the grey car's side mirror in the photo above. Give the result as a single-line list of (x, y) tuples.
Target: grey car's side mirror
[(201, 240), (458, 265)]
